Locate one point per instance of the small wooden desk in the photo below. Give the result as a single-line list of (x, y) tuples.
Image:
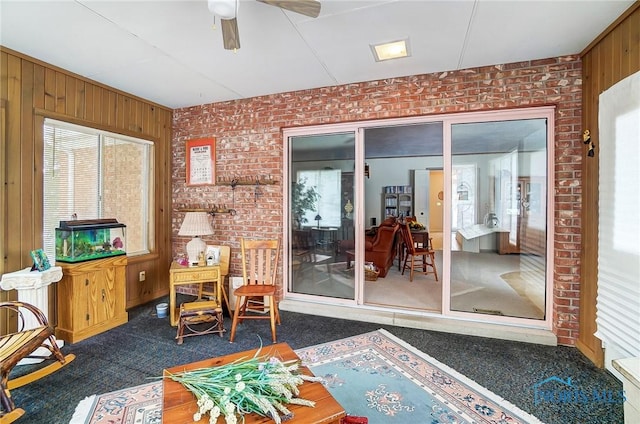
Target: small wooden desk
[(179, 404), (179, 274)]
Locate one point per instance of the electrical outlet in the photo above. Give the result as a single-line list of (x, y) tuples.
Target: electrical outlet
[(142, 276)]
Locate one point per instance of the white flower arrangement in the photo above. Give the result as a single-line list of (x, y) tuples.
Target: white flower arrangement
[(261, 385)]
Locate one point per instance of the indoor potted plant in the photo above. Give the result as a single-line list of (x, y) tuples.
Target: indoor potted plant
[(303, 199)]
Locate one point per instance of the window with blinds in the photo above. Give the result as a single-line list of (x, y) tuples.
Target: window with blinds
[(618, 300), (326, 182), (90, 174)]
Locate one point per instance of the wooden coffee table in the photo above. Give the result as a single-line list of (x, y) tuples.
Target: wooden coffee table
[(179, 404)]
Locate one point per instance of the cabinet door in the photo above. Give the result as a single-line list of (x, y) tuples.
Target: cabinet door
[(104, 295), (83, 301)]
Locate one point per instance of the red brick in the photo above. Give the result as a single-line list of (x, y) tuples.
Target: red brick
[(250, 143)]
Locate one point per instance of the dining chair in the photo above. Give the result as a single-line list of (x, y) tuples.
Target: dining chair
[(259, 268), (302, 247), (422, 258), (303, 254)]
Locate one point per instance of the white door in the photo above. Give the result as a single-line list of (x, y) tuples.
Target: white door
[(421, 196)]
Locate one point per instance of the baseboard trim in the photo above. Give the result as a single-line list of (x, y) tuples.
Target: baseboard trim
[(434, 323), (595, 355)]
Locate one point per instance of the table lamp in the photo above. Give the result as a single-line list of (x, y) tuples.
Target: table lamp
[(195, 224)]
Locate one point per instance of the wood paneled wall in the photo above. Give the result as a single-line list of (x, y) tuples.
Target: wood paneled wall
[(31, 91), (610, 58)]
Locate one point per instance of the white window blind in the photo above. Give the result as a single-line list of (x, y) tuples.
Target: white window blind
[(618, 299), (327, 184), (92, 174)]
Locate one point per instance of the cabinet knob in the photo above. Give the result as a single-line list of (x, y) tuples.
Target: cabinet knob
[(86, 281), (104, 294)]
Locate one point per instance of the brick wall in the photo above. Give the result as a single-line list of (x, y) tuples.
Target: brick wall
[(249, 143)]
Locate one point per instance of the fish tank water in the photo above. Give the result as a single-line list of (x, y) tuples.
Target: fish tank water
[(85, 240)]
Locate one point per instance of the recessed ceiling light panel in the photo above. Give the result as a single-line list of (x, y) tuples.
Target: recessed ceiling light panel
[(392, 50)]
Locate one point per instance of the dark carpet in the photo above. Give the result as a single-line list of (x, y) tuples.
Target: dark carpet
[(132, 353)]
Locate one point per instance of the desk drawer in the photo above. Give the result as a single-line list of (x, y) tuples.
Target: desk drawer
[(199, 275)]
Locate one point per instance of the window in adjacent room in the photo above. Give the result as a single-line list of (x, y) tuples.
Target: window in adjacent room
[(326, 182), (91, 174)]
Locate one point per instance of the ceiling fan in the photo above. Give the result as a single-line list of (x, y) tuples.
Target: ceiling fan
[(227, 11)]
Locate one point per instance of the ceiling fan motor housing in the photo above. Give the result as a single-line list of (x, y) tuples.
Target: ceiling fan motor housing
[(224, 9), (227, 11)]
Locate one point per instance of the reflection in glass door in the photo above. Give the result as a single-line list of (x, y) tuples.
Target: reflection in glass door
[(498, 258), (404, 184), (321, 206), (478, 187)]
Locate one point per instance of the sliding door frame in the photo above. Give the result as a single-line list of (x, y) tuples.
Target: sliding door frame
[(545, 112)]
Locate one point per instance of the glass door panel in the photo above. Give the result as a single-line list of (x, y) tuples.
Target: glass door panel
[(498, 218), (321, 207), (404, 183)]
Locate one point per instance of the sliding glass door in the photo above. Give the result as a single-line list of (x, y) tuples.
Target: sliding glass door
[(498, 218), (405, 165), (476, 187), (321, 231)]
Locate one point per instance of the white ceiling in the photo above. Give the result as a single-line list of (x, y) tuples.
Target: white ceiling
[(166, 51)]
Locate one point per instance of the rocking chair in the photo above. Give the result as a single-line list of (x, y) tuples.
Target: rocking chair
[(20, 345)]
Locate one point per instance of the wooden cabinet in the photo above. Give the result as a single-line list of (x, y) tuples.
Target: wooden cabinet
[(91, 298), (397, 201), (524, 215), (532, 212)]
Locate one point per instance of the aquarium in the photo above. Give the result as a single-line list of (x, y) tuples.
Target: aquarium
[(85, 240)]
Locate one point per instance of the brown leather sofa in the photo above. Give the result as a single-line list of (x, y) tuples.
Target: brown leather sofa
[(380, 245)]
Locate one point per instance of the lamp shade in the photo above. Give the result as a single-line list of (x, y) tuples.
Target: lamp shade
[(195, 224)]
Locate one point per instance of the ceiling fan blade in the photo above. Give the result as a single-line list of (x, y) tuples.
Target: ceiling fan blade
[(230, 34), (309, 8)]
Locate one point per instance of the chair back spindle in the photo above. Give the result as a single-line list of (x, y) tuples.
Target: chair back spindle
[(260, 264)]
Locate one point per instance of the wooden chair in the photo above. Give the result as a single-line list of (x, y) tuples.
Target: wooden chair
[(302, 246), (200, 318), (303, 254), (417, 255), (20, 345), (259, 268)]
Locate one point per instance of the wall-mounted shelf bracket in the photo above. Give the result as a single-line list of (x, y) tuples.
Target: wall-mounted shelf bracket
[(215, 210), (246, 181)]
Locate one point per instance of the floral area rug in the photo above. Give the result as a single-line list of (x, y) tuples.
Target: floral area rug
[(134, 405), (378, 376), (374, 375)]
